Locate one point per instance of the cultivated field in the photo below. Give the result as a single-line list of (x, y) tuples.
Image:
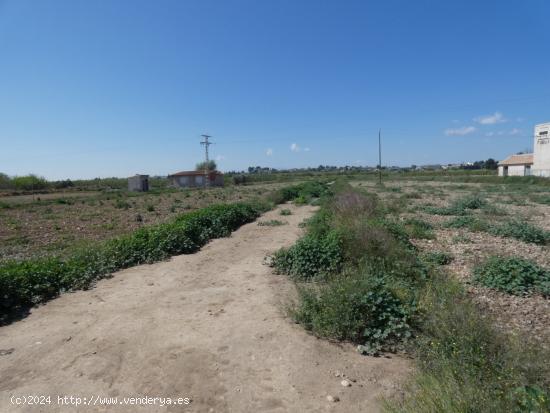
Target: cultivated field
[(55, 223), (428, 295), (469, 239)]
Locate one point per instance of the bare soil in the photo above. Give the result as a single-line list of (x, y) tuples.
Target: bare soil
[(62, 221), (210, 326)]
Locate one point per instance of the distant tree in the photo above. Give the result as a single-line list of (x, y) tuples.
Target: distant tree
[(491, 164), (5, 181), (206, 166), (29, 182)]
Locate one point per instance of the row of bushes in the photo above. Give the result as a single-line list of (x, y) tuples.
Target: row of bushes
[(379, 294), (25, 283)]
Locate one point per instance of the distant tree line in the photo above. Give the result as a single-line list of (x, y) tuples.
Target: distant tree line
[(26, 183), (488, 164)]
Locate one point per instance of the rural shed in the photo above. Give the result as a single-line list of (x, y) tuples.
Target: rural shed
[(192, 179), (138, 183), (516, 165)]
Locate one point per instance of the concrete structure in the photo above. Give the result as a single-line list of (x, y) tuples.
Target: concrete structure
[(138, 183), (516, 165), (541, 158), (191, 179)]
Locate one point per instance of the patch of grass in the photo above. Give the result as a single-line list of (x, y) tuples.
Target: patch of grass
[(522, 231), (271, 223), (461, 206), (285, 212), (122, 204), (150, 208), (462, 239), (513, 275), (472, 223), (437, 258), (466, 365), (419, 229)]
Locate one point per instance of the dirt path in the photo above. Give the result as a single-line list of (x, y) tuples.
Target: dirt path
[(208, 326)]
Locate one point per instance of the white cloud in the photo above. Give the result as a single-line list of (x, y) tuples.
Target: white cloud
[(294, 147), (511, 132), (491, 119), (465, 130), (269, 152), (220, 158), (306, 149)]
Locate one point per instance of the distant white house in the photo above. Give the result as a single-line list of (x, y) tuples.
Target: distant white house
[(536, 163), (516, 165)]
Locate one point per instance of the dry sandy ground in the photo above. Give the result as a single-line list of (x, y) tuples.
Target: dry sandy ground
[(209, 326)]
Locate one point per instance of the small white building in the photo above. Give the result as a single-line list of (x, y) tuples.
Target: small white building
[(536, 163), (541, 158), (516, 165)]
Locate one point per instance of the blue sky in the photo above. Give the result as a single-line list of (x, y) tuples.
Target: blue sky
[(113, 88)]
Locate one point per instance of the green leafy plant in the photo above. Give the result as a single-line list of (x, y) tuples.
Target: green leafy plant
[(285, 212), (513, 275), (417, 228), (522, 231), (472, 223), (357, 309), (311, 257), (437, 257)]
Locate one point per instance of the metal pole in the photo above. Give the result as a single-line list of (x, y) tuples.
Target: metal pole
[(379, 157)]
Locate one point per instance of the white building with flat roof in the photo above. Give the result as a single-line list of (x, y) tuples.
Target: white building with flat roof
[(541, 153), (536, 163)]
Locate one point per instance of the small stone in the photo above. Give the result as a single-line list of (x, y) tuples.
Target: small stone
[(333, 399), (345, 383), (6, 352)]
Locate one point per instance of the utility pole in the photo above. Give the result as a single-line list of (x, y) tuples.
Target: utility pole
[(206, 144), (379, 156)]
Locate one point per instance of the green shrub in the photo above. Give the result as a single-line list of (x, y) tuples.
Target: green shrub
[(285, 212), (357, 309), (122, 204), (460, 206), (27, 282), (522, 231), (513, 275), (419, 229), (301, 193), (311, 257), (437, 258), (467, 221), (29, 182)]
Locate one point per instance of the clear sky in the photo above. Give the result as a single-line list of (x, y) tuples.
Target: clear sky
[(113, 88)]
